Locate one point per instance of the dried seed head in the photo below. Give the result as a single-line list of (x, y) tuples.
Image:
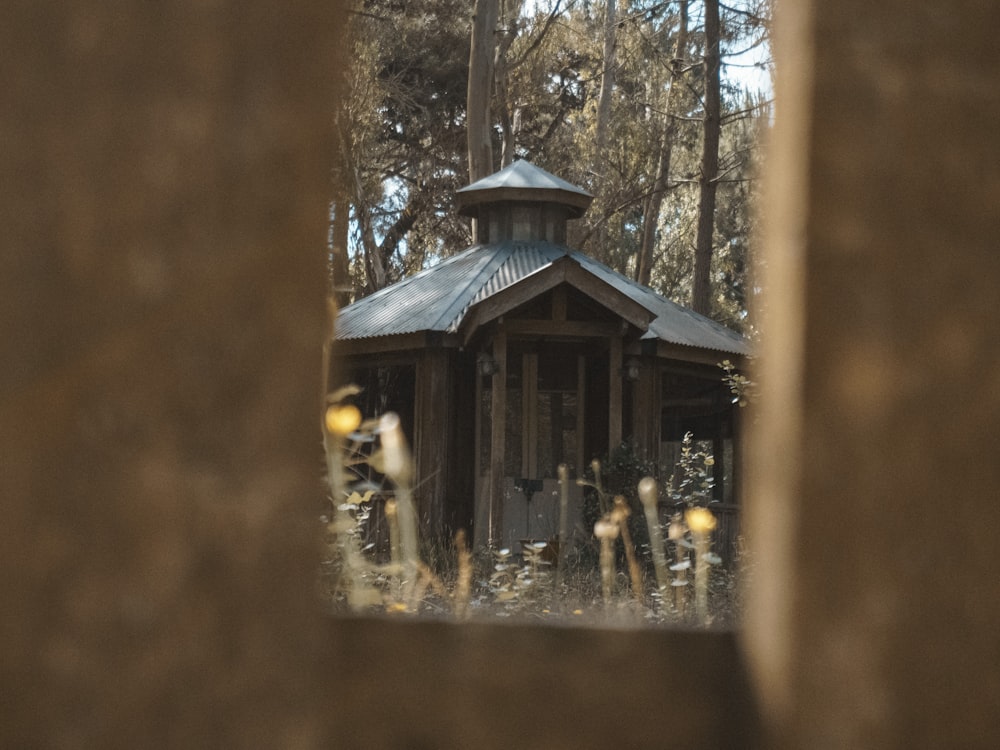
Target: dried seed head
[(604, 529), (647, 492), (676, 529)]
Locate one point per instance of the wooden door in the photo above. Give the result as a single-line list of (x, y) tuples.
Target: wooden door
[(545, 418)]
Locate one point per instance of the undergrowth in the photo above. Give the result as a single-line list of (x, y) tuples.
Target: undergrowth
[(636, 568)]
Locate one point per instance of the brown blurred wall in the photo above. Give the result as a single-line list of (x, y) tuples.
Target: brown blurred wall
[(873, 512), (165, 177), (163, 203)]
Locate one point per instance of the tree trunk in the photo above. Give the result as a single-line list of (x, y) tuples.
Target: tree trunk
[(607, 80), (375, 271), (508, 115), (651, 217), (702, 293), (481, 50), (603, 118), (340, 276), (340, 286)]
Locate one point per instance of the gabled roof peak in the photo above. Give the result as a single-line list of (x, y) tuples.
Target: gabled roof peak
[(522, 181)]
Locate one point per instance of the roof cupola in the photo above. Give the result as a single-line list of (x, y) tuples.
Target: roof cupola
[(522, 202)]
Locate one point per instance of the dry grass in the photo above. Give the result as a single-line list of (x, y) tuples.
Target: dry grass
[(604, 581)]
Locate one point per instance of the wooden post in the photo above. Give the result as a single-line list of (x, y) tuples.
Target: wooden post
[(736, 489), (477, 459), (529, 416), (498, 439), (719, 469), (556, 414), (581, 411), (431, 440), (646, 412), (614, 392), (655, 408)]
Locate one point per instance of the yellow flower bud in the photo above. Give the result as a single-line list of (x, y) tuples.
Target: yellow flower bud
[(699, 520), (342, 419)]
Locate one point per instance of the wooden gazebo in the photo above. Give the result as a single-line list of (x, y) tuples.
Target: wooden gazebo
[(521, 353)]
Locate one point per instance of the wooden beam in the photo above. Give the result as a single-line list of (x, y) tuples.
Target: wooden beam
[(581, 412), (575, 203), (614, 392), (646, 410), (498, 438), (693, 355), (556, 415), (510, 298), (477, 459), (562, 270), (608, 296), (529, 416), (736, 493), (431, 447), (564, 328), (719, 469), (386, 344)]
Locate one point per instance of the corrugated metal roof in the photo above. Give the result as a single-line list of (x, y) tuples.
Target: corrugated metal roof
[(522, 259), (419, 302), (674, 323), (438, 298)]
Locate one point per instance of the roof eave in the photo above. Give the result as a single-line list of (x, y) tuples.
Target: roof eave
[(687, 353), (400, 342), (469, 203)]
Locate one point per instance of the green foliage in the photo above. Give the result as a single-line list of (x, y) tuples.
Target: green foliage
[(403, 137), (693, 482), (744, 390), (405, 149)]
